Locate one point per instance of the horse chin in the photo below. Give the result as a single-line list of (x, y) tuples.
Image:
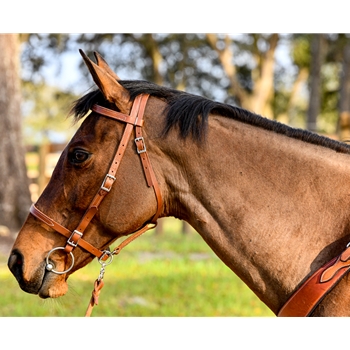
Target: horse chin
[(45, 284), (53, 286)]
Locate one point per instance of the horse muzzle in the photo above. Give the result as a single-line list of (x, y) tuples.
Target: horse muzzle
[(41, 281)]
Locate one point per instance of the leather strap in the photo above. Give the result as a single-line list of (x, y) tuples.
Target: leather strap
[(304, 301), (63, 231), (98, 285), (134, 120), (110, 177), (117, 115), (146, 164)]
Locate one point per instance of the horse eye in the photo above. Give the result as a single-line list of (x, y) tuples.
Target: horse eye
[(78, 156)]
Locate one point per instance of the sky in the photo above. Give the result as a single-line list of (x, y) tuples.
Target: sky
[(70, 75)]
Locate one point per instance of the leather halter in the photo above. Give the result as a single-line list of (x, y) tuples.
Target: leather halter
[(134, 120)]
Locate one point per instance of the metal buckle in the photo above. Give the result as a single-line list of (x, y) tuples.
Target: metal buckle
[(144, 145), (104, 181), (72, 243)]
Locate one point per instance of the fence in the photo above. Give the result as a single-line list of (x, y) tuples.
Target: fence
[(40, 161)]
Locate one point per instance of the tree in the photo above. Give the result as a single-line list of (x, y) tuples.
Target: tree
[(257, 94), (318, 54), (14, 190), (344, 102)]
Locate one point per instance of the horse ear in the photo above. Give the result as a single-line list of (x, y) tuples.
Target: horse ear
[(103, 64), (109, 86)]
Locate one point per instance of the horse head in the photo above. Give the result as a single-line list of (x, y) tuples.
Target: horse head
[(74, 219)]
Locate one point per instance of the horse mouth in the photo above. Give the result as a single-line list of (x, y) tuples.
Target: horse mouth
[(52, 286), (43, 283)]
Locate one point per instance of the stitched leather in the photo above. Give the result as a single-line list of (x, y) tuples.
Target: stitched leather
[(303, 302), (342, 262)]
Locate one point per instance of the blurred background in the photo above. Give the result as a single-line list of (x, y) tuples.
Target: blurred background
[(302, 80)]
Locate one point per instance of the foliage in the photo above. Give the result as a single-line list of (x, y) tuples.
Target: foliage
[(196, 63), (157, 275), (45, 110)]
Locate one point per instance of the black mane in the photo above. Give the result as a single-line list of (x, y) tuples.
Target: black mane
[(190, 113)]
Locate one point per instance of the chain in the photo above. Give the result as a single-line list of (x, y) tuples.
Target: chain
[(102, 272), (99, 281), (104, 263)]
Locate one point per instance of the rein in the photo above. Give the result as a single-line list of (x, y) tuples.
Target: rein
[(105, 257)]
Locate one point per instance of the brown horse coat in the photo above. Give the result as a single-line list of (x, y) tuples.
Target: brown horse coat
[(271, 201)]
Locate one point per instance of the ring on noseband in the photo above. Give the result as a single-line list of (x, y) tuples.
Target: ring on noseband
[(49, 265)]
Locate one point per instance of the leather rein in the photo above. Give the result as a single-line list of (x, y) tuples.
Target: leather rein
[(75, 238)]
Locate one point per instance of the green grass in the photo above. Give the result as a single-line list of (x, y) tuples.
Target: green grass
[(157, 275)]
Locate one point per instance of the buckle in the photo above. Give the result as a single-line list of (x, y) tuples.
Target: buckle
[(71, 242), (143, 150), (104, 182)]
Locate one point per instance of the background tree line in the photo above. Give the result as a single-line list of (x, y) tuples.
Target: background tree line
[(299, 79)]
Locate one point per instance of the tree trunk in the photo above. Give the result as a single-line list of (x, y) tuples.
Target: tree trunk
[(14, 190), (226, 59), (317, 57), (153, 52), (264, 85), (344, 103), (295, 93), (186, 228)]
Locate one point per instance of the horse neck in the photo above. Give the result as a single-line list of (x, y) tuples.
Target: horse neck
[(274, 209)]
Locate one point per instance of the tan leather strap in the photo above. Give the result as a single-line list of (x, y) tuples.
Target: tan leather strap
[(148, 170), (63, 231), (110, 176), (134, 120), (130, 119), (98, 285), (304, 301)]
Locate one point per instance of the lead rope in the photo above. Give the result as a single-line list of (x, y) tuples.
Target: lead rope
[(98, 284)]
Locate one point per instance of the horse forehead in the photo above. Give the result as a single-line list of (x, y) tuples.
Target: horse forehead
[(96, 128)]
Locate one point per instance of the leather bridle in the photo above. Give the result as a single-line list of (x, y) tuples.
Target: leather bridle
[(302, 303), (75, 238)]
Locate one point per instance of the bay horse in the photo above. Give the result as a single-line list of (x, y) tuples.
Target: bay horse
[(270, 200)]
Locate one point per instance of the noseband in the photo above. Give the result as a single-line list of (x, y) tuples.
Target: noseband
[(134, 120)]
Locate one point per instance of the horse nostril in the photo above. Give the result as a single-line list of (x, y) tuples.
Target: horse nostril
[(15, 264)]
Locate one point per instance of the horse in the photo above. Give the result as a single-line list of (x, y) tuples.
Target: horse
[(270, 200)]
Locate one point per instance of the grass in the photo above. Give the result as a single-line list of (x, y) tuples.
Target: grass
[(157, 275)]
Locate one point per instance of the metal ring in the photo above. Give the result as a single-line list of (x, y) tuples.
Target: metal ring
[(109, 259), (49, 266)]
